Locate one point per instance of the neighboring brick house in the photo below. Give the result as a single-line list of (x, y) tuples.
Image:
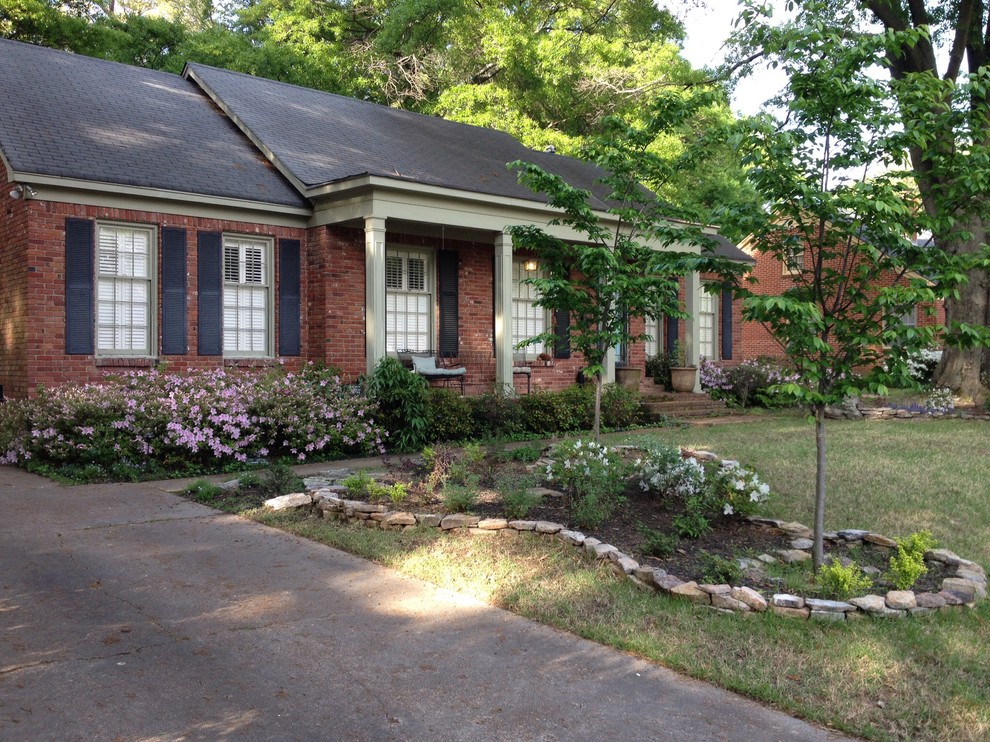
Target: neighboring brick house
[(774, 276), (222, 220)]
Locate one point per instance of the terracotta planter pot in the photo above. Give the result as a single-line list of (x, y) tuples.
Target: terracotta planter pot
[(628, 378), (683, 379)]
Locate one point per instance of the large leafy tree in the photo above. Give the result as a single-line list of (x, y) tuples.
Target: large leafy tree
[(936, 53), (841, 213)]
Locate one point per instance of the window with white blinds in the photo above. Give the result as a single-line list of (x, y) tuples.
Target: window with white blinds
[(653, 328), (408, 300), (528, 320), (246, 296), (707, 325), (125, 264)]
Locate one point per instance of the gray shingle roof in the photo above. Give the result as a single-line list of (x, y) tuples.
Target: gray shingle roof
[(77, 117), (323, 138)]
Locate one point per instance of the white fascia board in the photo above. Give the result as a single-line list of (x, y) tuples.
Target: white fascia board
[(384, 197), (115, 196)]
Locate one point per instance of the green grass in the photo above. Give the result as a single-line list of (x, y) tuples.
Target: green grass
[(919, 679)]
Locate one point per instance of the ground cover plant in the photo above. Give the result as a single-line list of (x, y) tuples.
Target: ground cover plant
[(151, 424), (919, 679)]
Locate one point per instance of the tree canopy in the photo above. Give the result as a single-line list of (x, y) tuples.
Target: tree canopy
[(549, 73), (937, 90)]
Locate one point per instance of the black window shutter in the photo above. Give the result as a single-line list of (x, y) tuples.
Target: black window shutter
[(174, 340), (726, 307), (209, 262), (671, 323), (289, 300), (79, 268), (562, 331), (447, 273)]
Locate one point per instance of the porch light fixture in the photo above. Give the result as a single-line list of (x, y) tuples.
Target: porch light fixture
[(19, 190), (530, 266)]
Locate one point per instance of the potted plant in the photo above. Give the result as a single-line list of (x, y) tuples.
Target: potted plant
[(682, 376)]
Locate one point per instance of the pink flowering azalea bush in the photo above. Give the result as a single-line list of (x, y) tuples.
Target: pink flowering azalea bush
[(151, 423), (748, 384)]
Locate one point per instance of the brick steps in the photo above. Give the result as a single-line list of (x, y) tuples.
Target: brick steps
[(671, 404)]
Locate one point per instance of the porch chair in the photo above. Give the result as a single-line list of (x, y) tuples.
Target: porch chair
[(425, 364)]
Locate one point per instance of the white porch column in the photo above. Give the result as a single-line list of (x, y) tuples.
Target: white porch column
[(503, 311), (374, 290), (610, 365), (692, 328)]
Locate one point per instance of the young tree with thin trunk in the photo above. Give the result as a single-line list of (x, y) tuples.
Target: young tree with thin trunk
[(841, 214)]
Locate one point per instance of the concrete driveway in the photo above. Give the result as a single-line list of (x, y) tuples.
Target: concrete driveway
[(127, 613)]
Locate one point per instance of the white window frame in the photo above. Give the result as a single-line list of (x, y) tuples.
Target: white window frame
[(248, 327), (653, 326), (113, 286), (526, 315), (712, 342), (793, 264), (409, 298)]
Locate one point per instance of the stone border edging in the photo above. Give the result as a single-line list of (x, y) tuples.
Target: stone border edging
[(964, 589)]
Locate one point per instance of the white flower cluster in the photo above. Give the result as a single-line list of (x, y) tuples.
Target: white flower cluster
[(664, 472), (579, 457), (940, 400), (743, 488)]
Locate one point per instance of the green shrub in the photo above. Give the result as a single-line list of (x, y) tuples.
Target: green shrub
[(693, 523), (545, 412), (592, 478), (717, 570), (657, 543), (458, 498), (517, 497), (249, 480), (450, 415), (279, 479), (908, 564), (396, 492), (496, 415), (525, 454), (203, 491), (658, 368), (841, 583), (401, 399), (621, 407), (358, 484)]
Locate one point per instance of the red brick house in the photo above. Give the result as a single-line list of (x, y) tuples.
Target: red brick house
[(216, 219), (774, 276)]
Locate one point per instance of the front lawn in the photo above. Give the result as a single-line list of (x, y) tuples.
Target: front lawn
[(924, 679)]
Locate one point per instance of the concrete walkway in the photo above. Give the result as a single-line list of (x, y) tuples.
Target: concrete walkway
[(127, 613)]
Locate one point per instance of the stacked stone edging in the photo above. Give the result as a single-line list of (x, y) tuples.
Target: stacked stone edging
[(964, 589)]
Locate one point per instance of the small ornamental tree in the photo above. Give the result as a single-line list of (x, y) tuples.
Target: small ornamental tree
[(614, 274), (844, 230)]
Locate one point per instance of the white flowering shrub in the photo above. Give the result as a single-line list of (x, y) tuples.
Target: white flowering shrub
[(940, 400), (921, 365), (662, 471), (739, 489), (590, 475)]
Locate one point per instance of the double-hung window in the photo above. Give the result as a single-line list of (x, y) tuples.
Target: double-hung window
[(408, 300), (125, 299), (652, 328), (528, 319), (246, 296), (707, 325)]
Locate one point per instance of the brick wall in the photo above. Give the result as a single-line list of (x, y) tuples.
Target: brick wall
[(33, 294), (773, 281)]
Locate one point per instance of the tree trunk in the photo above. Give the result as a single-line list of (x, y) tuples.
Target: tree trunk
[(818, 550), (598, 408), (965, 372)]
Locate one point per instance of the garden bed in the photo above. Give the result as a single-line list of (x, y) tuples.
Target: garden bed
[(767, 556)]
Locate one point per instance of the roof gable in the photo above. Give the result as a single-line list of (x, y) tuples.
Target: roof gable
[(319, 138), (72, 116)]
